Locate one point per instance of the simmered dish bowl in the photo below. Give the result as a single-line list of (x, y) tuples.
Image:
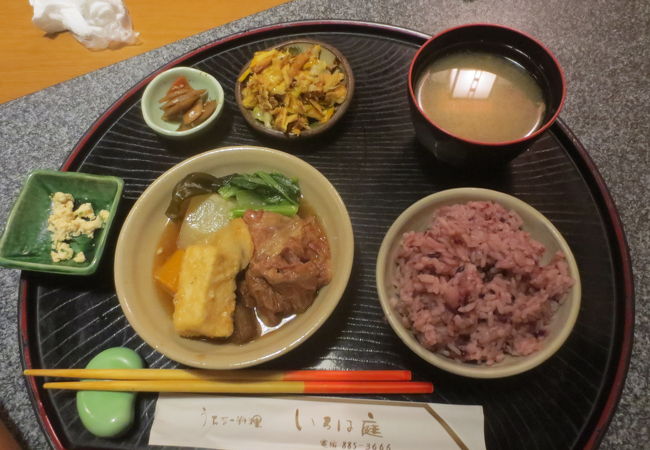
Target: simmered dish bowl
[(150, 310), (478, 283)]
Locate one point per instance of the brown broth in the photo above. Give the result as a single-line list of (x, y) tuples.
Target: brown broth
[(167, 243), (305, 209), (481, 96)]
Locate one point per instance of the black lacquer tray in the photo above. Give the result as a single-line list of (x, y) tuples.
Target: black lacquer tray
[(374, 160)]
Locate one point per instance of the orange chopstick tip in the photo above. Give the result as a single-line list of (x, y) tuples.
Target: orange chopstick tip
[(375, 387), (347, 375)]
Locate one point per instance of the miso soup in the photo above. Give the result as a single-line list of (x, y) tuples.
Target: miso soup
[(481, 96)]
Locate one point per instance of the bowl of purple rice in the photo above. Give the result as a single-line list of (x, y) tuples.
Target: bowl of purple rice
[(478, 283)]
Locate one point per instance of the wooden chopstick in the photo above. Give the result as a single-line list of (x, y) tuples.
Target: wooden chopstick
[(232, 375), (261, 387)]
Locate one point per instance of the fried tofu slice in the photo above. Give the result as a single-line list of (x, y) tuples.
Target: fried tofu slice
[(205, 301)]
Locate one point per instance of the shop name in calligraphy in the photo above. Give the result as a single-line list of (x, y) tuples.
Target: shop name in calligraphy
[(367, 427)]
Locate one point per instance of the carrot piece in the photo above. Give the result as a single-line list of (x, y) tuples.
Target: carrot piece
[(167, 274)]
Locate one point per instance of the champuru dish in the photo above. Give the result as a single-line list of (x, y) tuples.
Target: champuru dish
[(240, 256), (296, 89)]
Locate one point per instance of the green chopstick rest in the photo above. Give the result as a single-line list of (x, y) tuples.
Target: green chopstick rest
[(109, 414)]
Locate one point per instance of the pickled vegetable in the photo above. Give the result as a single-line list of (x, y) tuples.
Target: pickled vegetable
[(187, 105)]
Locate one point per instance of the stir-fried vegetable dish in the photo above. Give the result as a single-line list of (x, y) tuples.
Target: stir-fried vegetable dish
[(291, 91)]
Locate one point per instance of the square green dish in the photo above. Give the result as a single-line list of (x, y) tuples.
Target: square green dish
[(26, 242)]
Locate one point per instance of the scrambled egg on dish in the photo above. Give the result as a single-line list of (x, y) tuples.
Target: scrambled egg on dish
[(287, 91), (65, 223), (205, 300)]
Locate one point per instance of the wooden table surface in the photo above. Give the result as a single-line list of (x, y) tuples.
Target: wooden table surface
[(32, 61)]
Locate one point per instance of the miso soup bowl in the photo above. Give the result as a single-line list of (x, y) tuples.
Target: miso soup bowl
[(509, 43), (150, 313)]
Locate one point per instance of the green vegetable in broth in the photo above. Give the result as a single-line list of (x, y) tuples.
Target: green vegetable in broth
[(257, 191), (262, 190)]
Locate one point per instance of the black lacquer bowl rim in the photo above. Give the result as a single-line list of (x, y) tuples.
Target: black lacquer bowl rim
[(592, 434)]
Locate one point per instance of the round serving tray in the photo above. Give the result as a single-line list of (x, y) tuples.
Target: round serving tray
[(375, 162)]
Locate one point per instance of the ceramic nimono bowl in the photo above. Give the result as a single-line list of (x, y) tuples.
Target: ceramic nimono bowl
[(141, 300)]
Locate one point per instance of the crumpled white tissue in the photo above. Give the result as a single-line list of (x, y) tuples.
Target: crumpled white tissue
[(97, 24)]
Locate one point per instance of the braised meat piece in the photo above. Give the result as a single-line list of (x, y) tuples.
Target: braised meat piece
[(246, 327), (291, 261)]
